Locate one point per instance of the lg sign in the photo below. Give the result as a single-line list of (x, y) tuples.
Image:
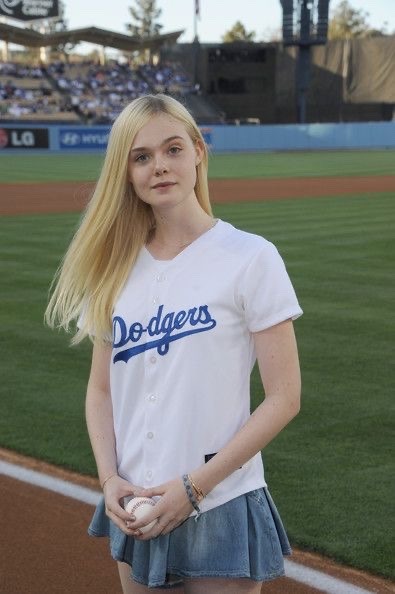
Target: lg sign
[(23, 139), (3, 138), (26, 138)]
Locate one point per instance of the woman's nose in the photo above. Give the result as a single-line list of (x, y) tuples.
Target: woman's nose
[(160, 167)]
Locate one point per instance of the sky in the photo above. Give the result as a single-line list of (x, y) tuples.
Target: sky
[(216, 16), (264, 17)]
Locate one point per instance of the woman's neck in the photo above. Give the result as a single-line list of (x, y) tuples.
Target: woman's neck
[(172, 234)]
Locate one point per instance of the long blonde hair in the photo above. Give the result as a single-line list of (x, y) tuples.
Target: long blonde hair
[(115, 226)]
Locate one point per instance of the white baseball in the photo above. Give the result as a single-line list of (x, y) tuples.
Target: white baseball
[(139, 507)]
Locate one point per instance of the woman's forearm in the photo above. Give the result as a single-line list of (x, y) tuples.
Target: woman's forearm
[(270, 417), (99, 420)]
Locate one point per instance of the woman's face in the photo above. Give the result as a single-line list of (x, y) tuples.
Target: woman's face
[(162, 163)]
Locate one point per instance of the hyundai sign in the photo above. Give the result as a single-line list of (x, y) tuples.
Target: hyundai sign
[(29, 10), (83, 138)]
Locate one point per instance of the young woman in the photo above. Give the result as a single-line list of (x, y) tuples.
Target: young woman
[(179, 306)]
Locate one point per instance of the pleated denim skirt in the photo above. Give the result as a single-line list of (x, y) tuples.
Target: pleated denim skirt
[(244, 537)]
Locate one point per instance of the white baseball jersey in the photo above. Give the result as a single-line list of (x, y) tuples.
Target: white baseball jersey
[(183, 352)]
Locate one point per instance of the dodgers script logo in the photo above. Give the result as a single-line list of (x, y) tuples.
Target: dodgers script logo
[(163, 329)]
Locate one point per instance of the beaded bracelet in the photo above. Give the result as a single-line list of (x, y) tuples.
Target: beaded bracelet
[(190, 493)]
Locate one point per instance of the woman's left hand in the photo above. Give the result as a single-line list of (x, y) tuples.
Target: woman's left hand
[(171, 510)]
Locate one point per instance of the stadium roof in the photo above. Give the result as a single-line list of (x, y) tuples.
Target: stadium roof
[(104, 37)]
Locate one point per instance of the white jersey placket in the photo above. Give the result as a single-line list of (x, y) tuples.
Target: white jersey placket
[(153, 395)]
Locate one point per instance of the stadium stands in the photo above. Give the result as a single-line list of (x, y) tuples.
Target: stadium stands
[(84, 92), (27, 94)]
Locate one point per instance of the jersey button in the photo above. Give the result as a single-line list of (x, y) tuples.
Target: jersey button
[(152, 397), (150, 435), (148, 475), (152, 359), (161, 277)]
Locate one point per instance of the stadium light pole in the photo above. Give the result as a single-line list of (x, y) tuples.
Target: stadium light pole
[(195, 19), (305, 23), (196, 43), (304, 60)]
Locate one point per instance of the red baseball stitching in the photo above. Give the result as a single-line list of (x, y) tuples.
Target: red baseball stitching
[(144, 502)]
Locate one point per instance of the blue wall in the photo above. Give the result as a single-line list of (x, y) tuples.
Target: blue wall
[(304, 137), (372, 135)]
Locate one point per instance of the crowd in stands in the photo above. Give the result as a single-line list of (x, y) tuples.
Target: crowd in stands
[(26, 93), (91, 92), (167, 78), (20, 70), (98, 93)]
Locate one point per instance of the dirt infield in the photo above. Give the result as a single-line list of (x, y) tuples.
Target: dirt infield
[(45, 548), (72, 196)]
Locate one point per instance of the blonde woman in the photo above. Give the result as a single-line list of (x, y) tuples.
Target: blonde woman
[(179, 306)]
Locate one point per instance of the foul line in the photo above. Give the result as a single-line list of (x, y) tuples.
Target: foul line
[(295, 571), (50, 483), (321, 581)]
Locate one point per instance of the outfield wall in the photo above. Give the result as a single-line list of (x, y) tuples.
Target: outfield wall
[(290, 137)]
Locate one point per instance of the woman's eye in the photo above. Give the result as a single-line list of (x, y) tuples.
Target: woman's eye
[(141, 158), (174, 150)]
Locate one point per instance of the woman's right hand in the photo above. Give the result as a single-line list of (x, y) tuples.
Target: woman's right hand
[(114, 491)]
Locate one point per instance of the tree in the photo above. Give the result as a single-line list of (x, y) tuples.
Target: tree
[(238, 33), (347, 22), (145, 16)]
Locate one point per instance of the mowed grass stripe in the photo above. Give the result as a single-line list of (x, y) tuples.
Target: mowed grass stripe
[(86, 167), (330, 469), (303, 211), (49, 168), (317, 221), (303, 164)]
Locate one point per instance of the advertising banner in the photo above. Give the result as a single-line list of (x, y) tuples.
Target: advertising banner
[(97, 137), (24, 138), (83, 138), (207, 134), (29, 10)]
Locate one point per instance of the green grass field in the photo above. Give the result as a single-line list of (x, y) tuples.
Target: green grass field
[(330, 469), (254, 165)]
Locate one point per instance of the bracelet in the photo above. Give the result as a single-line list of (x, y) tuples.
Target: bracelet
[(190, 493), (108, 478), (199, 493)]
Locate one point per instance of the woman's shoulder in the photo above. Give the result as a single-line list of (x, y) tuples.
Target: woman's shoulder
[(244, 242)]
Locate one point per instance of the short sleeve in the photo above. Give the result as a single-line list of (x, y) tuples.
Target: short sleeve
[(267, 294)]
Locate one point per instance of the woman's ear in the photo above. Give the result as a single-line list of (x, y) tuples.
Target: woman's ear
[(199, 151)]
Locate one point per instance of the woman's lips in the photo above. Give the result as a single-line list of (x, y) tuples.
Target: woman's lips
[(164, 185)]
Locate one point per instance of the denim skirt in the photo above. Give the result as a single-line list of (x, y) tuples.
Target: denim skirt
[(244, 537)]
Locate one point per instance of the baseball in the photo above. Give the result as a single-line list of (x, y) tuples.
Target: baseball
[(139, 507)]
